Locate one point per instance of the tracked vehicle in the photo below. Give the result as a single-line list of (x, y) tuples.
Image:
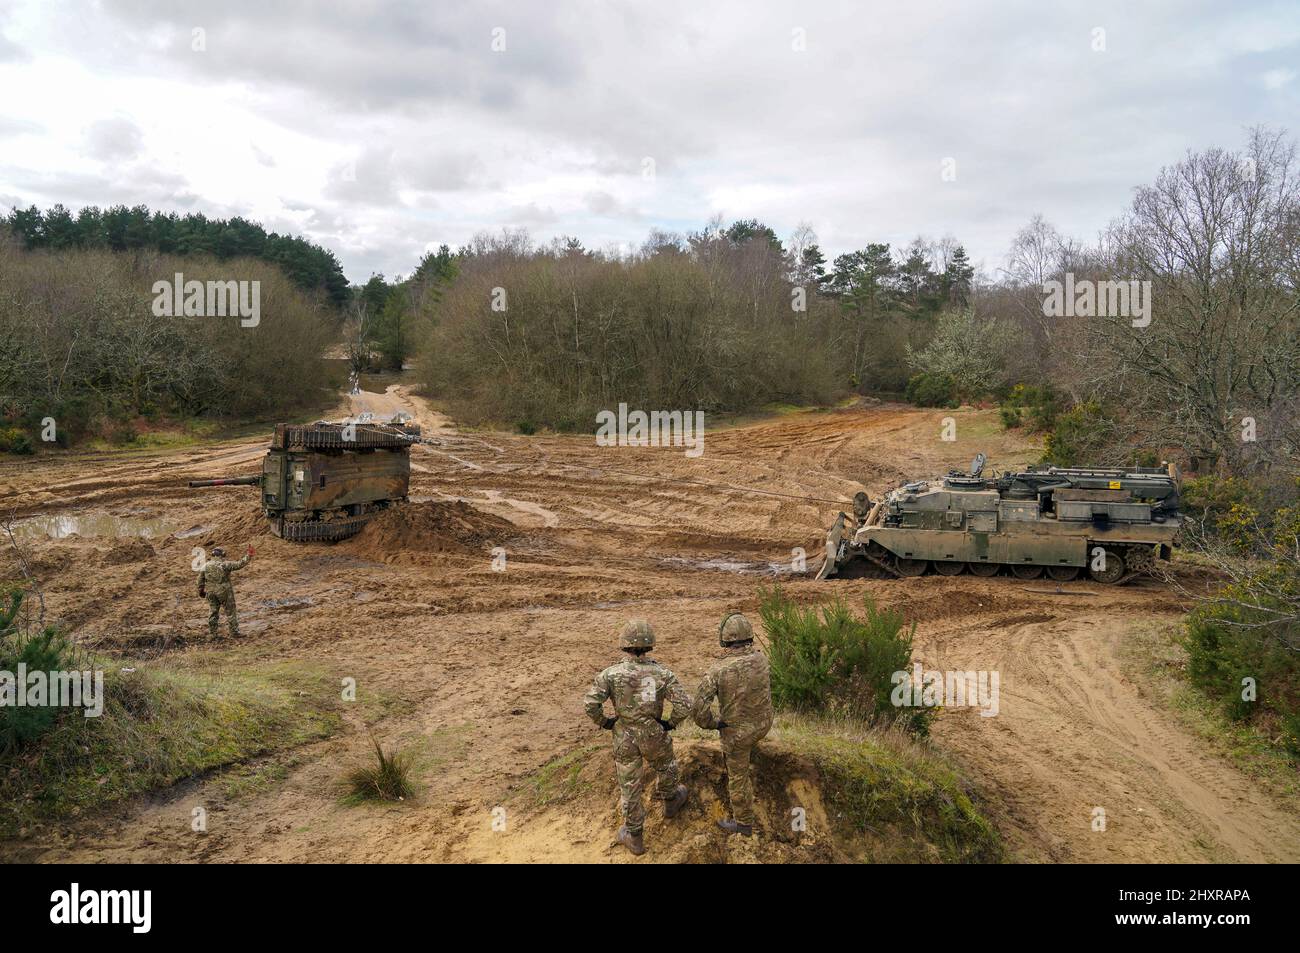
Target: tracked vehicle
[(1112, 523), (324, 481)]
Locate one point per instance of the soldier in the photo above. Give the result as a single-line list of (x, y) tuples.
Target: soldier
[(742, 683), (214, 582), (638, 687)]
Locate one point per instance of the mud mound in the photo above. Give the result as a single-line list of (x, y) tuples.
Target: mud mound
[(410, 532), (127, 551), (235, 527), (43, 559)]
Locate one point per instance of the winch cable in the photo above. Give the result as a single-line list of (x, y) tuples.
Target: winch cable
[(692, 481)]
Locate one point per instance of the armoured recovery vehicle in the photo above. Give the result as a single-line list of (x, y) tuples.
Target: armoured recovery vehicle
[(324, 481), (1112, 522)]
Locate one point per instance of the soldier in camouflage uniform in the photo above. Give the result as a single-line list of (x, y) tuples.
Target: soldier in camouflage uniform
[(638, 686), (214, 582), (741, 682)]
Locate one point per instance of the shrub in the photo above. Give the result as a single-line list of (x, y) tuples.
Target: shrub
[(1040, 405), (826, 660), (1224, 650), (45, 651), (1251, 628), (968, 349), (931, 390), (1079, 435), (13, 440)]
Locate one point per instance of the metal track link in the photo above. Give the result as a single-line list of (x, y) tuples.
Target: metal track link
[(366, 437), (307, 531)]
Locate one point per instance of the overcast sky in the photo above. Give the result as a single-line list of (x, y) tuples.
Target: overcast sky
[(384, 129)]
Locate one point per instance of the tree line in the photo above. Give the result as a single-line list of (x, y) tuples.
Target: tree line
[(82, 352), (118, 228)]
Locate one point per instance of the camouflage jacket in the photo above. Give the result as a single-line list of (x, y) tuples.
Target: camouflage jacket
[(741, 681), (638, 687), (215, 575)]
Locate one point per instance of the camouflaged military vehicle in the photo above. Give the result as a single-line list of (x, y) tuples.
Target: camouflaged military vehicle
[(1113, 523), (323, 481)]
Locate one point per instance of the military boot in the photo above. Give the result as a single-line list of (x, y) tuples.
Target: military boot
[(631, 841), (735, 827), (673, 806)]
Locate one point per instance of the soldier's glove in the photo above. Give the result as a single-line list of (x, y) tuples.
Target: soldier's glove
[(608, 723), (665, 725)]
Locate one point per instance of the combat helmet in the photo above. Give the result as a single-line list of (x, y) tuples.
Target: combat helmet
[(637, 634), (218, 551), (735, 628)]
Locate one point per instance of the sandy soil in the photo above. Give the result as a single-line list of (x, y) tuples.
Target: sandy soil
[(484, 670)]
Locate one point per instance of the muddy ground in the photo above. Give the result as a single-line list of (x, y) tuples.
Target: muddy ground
[(483, 671)]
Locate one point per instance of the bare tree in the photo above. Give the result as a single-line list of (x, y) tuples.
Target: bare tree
[(1216, 236)]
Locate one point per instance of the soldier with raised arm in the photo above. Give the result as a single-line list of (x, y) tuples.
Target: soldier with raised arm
[(215, 584)]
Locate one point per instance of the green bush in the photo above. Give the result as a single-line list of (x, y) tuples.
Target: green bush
[(1213, 498), (1225, 646), (931, 390), (44, 651), (13, 440), (1078, 437), (826, 660), (1039, 405)]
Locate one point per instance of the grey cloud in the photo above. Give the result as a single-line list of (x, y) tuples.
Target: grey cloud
[(606, 205), (530, 215), (113, 139), (367, 180), (126, 185), (444, 172)]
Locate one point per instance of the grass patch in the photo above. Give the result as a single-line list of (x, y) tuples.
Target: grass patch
[(159, 726), (387, 778), (908, 803), (247, 780), (560, 778)]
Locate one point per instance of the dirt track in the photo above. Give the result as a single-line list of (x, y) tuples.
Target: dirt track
[(492, 665)]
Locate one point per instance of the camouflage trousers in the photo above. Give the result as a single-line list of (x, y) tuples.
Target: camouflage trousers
[(737, 745), (216, 603), (631, 748)]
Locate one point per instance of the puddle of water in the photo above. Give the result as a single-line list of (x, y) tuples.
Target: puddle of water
[(62, 525), (732, 565), (193, 531), (290, 604)]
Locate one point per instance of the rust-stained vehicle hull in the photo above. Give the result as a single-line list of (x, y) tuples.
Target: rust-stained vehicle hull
[(324, 481)]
